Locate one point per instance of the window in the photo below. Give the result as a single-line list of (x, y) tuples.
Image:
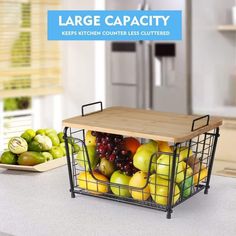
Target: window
[(29, 63)]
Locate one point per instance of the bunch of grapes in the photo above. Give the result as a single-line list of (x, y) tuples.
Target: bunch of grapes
[(111, 147)]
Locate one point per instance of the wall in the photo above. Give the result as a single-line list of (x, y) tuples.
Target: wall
[(83, 73), (214, 57), (78, 66)]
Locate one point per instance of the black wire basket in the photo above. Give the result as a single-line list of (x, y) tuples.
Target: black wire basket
[(175, 172)]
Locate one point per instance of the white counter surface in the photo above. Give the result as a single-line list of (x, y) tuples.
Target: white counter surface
[(40, 204)]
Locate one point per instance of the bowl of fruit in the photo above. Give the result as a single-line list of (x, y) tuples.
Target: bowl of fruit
[(37, 151)]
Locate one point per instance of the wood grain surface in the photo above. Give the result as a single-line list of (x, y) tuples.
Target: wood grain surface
[(141, 123)]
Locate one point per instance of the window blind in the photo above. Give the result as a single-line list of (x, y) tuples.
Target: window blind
[(29, 63)]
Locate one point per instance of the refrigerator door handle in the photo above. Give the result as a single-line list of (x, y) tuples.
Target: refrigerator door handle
[(144, 6)]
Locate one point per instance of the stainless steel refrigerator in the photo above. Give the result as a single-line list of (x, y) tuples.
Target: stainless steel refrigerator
[(150, 74)]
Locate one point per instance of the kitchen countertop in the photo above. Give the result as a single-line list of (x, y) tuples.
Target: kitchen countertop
[(40, 204)]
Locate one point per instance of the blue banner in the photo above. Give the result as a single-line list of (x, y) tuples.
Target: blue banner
[(115, 25)]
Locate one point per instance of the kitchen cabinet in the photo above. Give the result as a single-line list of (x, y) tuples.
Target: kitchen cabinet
[(227, 28), (225, 163)]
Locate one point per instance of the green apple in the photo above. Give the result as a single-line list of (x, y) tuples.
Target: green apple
[(142, 158), (54, 138), (120, 178), (83, 160), (8, 158), (186, 186), (57, 152), (48, 156), (89, 138), (106, 167), (164, 167)]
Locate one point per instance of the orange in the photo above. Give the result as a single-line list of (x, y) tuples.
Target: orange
[(131, 144), (163, 146)]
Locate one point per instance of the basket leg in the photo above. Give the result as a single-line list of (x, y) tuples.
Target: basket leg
[(69, 164), (171, 187), (211, 161)]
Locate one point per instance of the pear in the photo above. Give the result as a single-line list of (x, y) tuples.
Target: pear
[(90, 139), (82, 157), (139, 180), (106, 167)]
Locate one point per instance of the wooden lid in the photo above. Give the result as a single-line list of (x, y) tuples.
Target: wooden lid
[(140, 123)]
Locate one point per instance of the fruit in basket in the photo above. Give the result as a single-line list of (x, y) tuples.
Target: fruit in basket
[(203, 175), (159, 189), (164, 167), (8, 158), (106, 167), (122, 181), (184, 153), (48, 156), (57, 152), (61, 137), (86, 181), (89, 138), (111, 147), (17, 145), (143, 156), (44, 141), (131, 144), (139, 180), (164, 147), (194, 162), (40, 131), (83, 160), (124, 162), (186, 186), (54, 138), (30, 158), (151, 146), (189, 170), (108, 145)]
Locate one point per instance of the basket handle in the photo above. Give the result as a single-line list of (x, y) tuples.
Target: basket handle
[(207, 117), (90, 104)]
